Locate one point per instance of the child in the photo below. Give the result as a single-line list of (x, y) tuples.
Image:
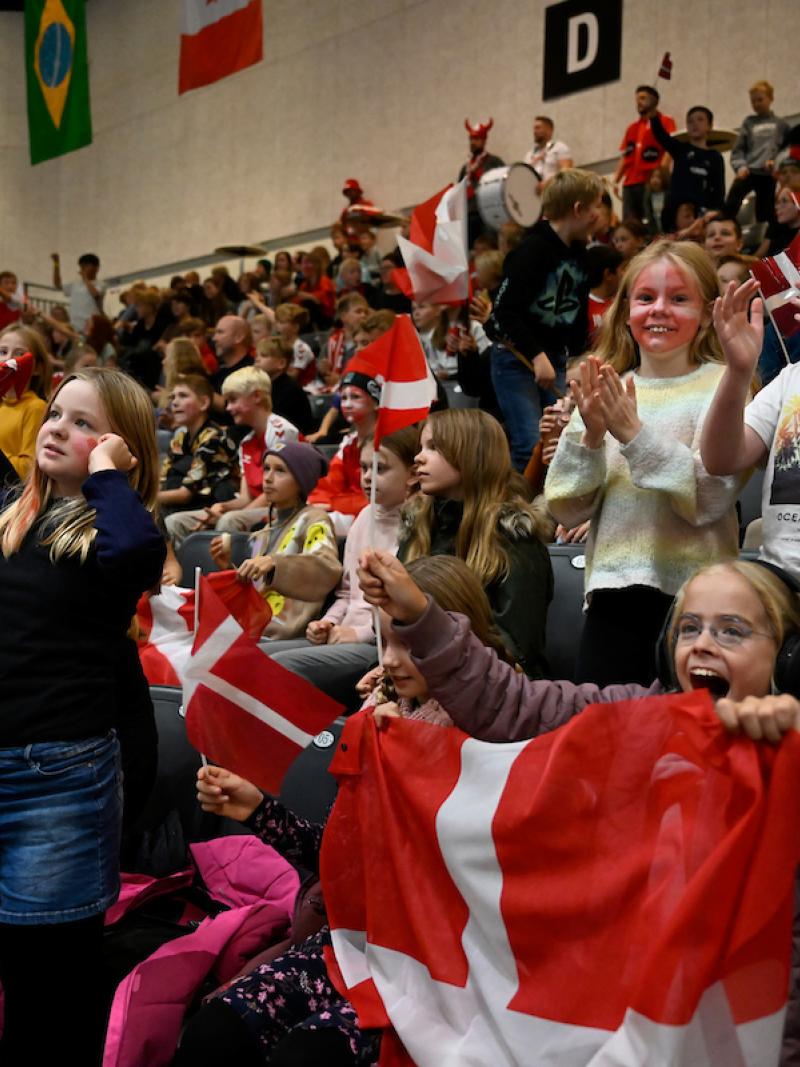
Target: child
[(727, 626), (289, 400), (629, 460), (20, 416), (604, 266), (195, 331), (629, 239), (340, 492), (201, 467), (288, 1010), (530, 316), (349, 278), (432, 323), (471, 507), (182, 356), (698, 172), (316, 292), (655, 200), (79, 547), (248, 399), (761, 137), (723, 238), (370, 256), (295, 562), (351, 310), (290, 320), (340, 647), (738, 437)]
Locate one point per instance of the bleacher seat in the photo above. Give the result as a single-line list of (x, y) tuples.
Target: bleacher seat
[(308, 790), (565, 615), (328, 451), (750, 500), (195, 551), (163, 438), (319, 405)]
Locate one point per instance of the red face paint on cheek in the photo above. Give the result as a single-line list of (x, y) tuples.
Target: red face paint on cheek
[(85, 445)]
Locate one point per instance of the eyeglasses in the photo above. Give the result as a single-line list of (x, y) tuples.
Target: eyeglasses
[(729, 634)]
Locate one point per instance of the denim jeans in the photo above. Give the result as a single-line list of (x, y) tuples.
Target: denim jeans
[(60, 821), (521, 401)]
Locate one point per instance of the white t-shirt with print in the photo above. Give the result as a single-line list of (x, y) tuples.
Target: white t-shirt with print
[(774, 414)]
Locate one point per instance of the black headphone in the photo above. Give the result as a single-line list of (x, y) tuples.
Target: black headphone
[(786, 674)]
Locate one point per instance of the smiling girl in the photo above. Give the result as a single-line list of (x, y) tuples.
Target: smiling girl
[(630, 460)]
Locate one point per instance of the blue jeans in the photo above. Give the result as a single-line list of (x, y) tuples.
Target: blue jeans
[(521, 401), (60, 821)]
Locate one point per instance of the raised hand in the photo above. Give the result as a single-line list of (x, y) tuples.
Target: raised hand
[(586, 394), (387, 584), (618, 400), (224, 793), (741, 337)]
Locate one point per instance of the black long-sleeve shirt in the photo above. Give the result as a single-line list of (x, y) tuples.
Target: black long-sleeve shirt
[(541, 302), (698, 176), (63, 624)]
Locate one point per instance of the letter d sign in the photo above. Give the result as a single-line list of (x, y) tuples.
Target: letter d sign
[(582, 45)]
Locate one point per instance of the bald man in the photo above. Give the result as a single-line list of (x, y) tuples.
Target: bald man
[(232, 344)]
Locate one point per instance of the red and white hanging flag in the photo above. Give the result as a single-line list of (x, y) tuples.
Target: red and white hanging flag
[(778, 278), (218, 38), (165, 624), (617, 892), (244, 710), (435, 253), (665, 70), (397, 362)]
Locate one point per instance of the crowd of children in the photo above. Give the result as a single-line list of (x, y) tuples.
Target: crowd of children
[(610, 382)]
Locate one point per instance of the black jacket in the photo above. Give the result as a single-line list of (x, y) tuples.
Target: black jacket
[(541, 303)]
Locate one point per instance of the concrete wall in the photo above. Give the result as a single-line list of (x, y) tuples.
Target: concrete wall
[(378, 90)]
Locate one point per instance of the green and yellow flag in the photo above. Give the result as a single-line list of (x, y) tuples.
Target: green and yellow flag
[(59, 119)]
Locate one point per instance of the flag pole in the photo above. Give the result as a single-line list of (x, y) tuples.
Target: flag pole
[(373, 488), (774, 325), (197, 576)]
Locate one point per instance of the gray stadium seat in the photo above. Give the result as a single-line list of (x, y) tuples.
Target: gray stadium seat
[(195, 551), (565, 615), (308, 789), (750, 500)]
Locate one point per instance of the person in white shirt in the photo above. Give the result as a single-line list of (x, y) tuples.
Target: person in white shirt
[(547, 157), (86, 294)]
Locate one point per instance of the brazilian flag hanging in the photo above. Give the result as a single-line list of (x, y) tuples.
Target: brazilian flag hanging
[(59, 119)]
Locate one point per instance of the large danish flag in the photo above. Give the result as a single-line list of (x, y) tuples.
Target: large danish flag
[(778, 277), (616, 893)]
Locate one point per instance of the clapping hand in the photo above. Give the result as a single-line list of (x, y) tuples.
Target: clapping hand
[(618, 400), (587, 395)]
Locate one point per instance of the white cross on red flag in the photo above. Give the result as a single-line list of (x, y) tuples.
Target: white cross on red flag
[(779, 280), (396, 360), (244, 710), (435, 253), (616, 893)]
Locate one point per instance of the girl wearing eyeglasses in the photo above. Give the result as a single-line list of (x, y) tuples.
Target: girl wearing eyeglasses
[(727, 627)]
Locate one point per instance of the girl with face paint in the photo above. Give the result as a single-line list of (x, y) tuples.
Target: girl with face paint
[(630, 460)]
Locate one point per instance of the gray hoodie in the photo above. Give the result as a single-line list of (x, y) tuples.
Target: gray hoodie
[(760, 139)]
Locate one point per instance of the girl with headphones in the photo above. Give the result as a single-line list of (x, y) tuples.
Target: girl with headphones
[(734, 630)]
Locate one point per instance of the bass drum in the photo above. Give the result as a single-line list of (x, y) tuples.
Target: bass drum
[(508, 194)]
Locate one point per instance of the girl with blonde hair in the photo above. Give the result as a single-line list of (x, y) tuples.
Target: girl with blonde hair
[(629, 459), (472, 506), (78, 548)]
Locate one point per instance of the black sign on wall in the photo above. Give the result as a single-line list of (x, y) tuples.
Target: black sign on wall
[(582, 45)]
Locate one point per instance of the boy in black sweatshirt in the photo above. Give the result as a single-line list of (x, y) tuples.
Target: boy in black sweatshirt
[(539, 312)]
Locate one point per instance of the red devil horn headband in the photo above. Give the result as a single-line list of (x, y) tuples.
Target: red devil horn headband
[(481, 130)]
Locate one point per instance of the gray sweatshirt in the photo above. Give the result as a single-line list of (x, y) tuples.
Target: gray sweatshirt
[(760, 139)]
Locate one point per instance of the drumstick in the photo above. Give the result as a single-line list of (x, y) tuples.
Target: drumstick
[(524, 359)]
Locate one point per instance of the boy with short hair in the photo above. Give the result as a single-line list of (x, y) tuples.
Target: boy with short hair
[(761, 137), (604, 266), (698, 174), (201, 467), (723, 238), (248, 398), (86, 294), (539, 314), (290, 319), (351, 310), (289, 400)]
